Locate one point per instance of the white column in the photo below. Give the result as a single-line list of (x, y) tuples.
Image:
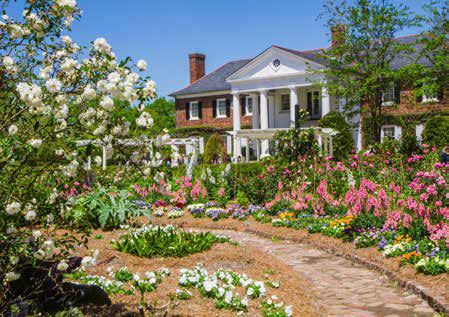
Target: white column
[(419, 131), (256, 112), (247, 150), (264, 119), (258, 149), (325, 102), (236, 124), (293, 102)]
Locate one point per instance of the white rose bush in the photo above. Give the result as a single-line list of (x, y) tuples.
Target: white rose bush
[(52, 93)]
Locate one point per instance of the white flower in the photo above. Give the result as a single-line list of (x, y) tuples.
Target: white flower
[(30, 215), (36, 234), (39, 254), (11, 276), (53, 85), (12, 129), (98, 160), (289, 311), (13, 208), (89, 93), (250, 291), (36, 143), (244, 301), (68, 3), (62, 266), (142, 65), (102, 46), (107, 103), (8, 61), (66, 39)]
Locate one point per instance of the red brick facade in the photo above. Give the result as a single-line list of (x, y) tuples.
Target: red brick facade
[(207, 117)]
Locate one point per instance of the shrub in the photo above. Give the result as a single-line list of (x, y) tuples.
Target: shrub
[(242, 199), (293, 143), (435, 131), (342, 143), (214, 150)]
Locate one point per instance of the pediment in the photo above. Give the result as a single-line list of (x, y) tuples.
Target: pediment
[(273, 62)]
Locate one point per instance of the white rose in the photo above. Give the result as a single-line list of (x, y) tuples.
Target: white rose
[(53, 85), (31, 215), (62, 266), (12, 129), (13, 208), (107, 103), (11, 276), (36, 143), (142, 65)]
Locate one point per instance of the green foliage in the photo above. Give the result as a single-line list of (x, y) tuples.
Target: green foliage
[(362, 78), (103, 208), (293, 143), (436, 131), (214, 150), (409, 142), (342, 143), (366, 221), (242, 199), (163, 113), (166, 241)]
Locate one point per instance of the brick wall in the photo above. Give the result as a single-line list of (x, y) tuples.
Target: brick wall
[(409, 104), (207, 114)]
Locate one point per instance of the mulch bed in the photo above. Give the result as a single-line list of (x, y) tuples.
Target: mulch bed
[(293, 291), (434, 289)]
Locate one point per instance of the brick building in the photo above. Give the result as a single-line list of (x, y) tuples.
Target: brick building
[(265, 92)]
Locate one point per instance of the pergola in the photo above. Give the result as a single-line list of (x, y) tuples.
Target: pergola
[(195, 144), (323, 136)]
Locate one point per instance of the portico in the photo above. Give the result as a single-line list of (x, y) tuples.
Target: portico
[(279, 83)]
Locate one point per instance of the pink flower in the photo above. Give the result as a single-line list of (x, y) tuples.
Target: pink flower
[(280, 185), (221, 192)]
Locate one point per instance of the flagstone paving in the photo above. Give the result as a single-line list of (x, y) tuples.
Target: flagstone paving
[(343, 287)]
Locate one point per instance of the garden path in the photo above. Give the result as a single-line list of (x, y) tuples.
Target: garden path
[(343, 287)]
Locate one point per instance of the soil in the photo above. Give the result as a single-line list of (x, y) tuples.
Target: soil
[(294, 288)]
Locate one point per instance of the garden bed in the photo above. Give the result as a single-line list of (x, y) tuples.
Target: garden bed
[(256, 264), (435, 286)]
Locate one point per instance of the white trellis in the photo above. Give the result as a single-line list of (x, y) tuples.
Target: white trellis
[(195, 144), (323, 136)]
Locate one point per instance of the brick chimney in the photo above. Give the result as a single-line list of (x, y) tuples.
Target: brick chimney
[(197, 66), (338, 35)]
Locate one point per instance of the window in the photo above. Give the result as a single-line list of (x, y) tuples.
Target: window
[(194, 110), (388, 132), (221, 108), (391, 131), (388, 96), (249, 106), (285, 105)]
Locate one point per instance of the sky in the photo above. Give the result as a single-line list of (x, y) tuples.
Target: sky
[(164, 32)]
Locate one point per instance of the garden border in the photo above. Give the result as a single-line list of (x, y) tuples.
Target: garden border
[(416, 289), (413, 287)]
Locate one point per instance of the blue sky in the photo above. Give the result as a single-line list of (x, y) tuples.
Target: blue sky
[(164, 32)]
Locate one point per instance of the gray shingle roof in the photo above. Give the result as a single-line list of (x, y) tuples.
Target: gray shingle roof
[(214, 81)]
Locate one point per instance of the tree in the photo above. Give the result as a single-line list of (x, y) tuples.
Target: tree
[(51, 94), (434, 80), (214, 149), (342, 142), (359, 65), (163, 113)]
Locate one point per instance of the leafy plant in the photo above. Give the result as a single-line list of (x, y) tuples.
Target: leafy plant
[(104, 208), (152, 241)]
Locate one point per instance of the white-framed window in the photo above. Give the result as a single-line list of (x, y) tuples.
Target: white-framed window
[(390, 131), (314, 104), (221, 108), (249, 106), (194, 110), (388, 95), (285, 102)]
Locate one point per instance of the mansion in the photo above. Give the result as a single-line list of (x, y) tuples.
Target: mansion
[(255, 97)]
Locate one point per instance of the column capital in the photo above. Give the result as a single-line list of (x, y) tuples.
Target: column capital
[(263, 91), (235, 93), (292, 88)]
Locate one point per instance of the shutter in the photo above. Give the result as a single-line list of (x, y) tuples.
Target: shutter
[(187, 110), (243, 106), (200, 110), (214, 108), (397, 92), (228, 108), (309, 103)]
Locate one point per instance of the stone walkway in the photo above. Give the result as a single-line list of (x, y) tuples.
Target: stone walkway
[(344, 288)]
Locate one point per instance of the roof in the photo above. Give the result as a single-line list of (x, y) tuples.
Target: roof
[(214, 81)]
